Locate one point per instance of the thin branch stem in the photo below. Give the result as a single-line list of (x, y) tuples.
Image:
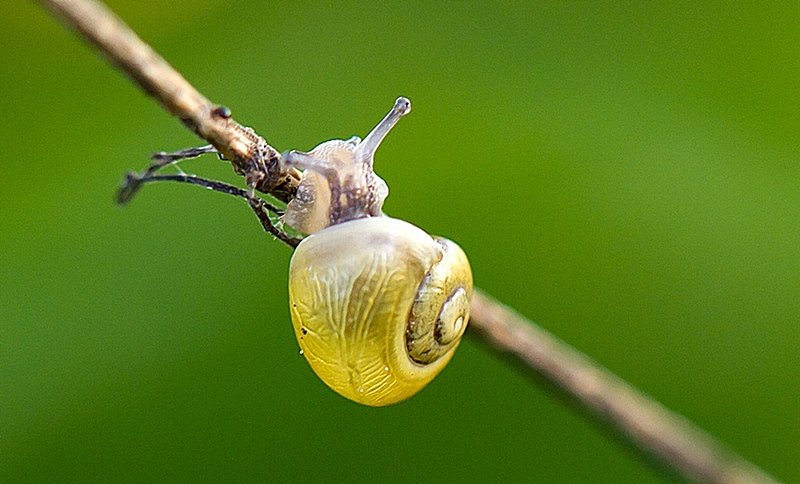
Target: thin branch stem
[(249, 154), (133, 182), (647, 423), (652, 427), (257, 205)]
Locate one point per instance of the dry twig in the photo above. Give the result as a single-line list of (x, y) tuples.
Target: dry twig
[(652, 427), (250, 155), (667, 435)]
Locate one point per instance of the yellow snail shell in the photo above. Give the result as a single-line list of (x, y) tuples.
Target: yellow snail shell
[(352, 290)]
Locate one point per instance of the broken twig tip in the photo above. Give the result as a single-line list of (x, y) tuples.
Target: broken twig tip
[(130, 185)]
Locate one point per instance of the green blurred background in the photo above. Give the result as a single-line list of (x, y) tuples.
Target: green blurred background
[(627, 175)]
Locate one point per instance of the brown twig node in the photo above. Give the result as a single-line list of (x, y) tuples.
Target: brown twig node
[(652, 427)]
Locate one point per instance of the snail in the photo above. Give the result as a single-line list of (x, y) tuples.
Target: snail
[(378, 305)]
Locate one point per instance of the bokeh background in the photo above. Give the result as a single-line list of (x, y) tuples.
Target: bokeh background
[(626, 175)]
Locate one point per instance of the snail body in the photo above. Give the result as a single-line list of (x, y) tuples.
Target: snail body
[(378, 305)]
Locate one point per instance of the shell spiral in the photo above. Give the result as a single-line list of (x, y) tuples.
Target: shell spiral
[(378, 307)]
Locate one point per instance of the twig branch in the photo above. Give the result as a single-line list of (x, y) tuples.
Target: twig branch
[(250, 155), (665, 434), (653, 428)]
